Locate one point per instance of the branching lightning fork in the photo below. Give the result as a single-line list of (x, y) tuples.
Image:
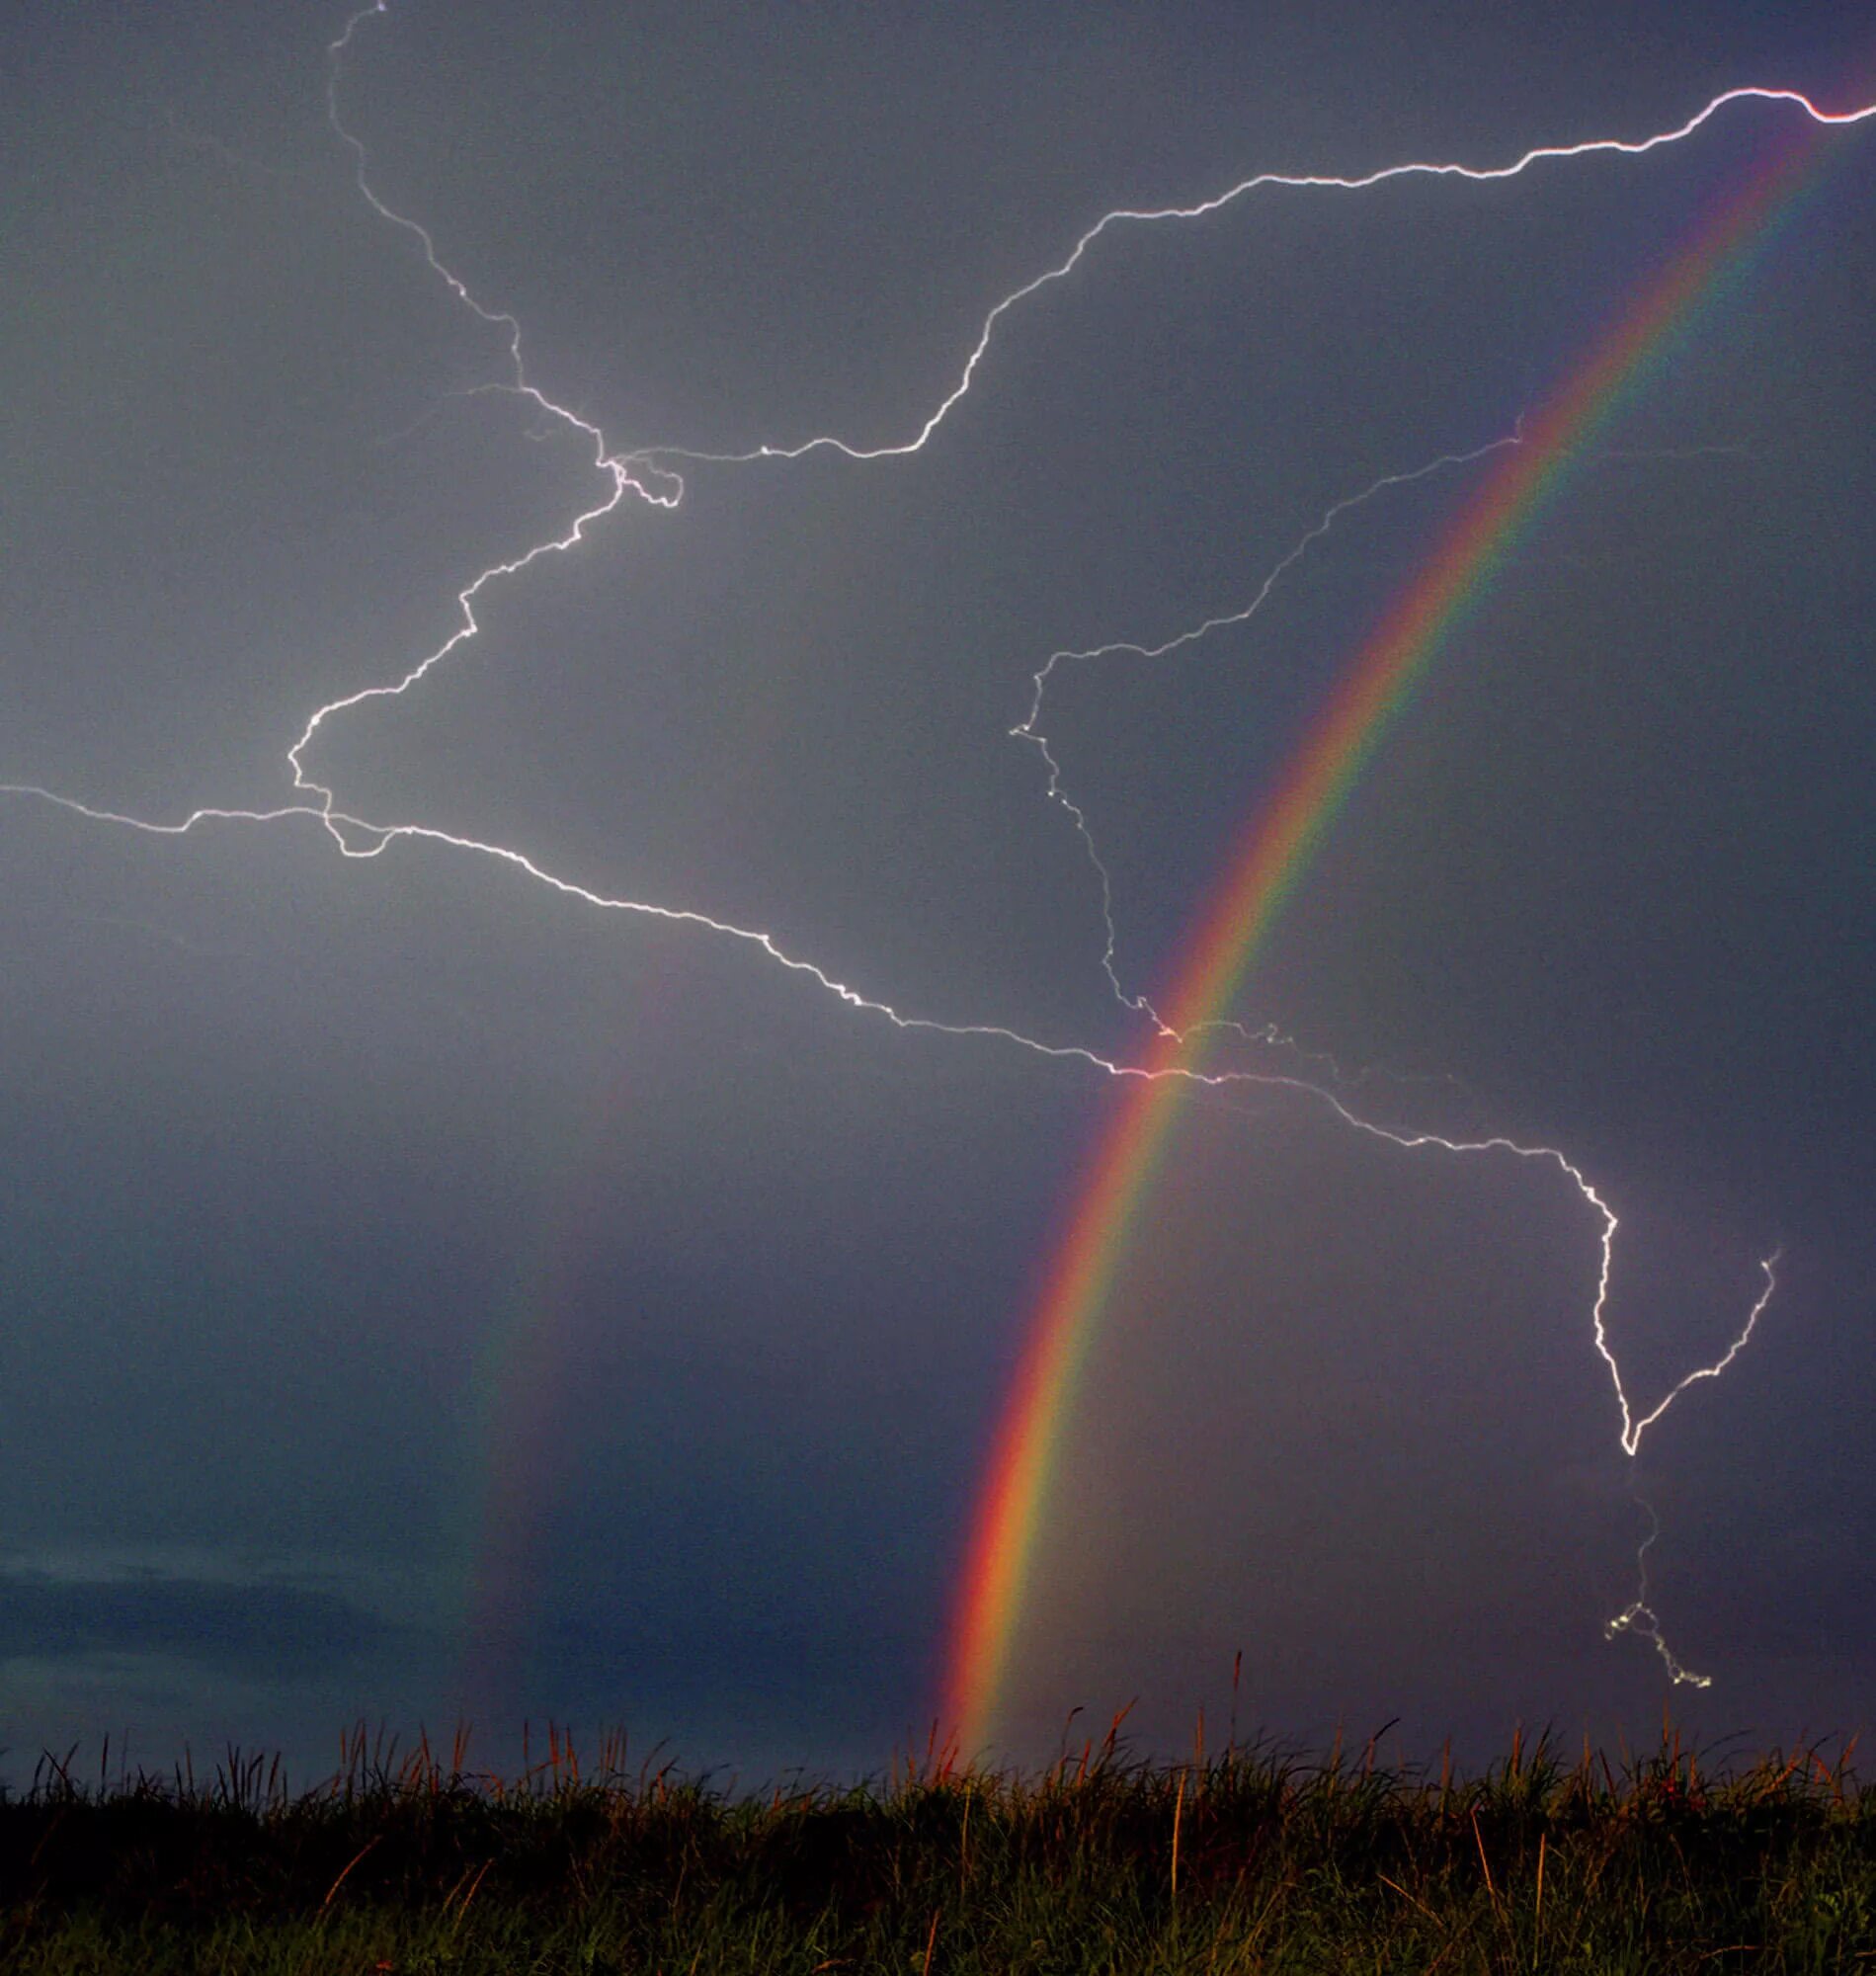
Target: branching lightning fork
[(1291, 182), (1029, 728), (641, 473)]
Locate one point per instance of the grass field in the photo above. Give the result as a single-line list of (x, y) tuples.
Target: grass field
[(1240, 1862)]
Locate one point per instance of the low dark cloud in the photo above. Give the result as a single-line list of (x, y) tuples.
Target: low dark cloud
[(261, 1628)]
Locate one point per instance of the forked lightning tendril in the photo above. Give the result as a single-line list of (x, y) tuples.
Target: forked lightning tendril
[(1029, 729), (1638, 1616), (641, 472), (1292, 182)]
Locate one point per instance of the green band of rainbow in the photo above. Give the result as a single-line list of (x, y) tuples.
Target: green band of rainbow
[(1272, 854)]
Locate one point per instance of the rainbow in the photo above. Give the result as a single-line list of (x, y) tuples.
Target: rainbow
[(1272, 854)]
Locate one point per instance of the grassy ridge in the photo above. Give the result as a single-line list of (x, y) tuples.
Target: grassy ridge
[(1246, 1862)]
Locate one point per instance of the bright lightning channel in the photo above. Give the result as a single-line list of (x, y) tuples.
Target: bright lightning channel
[(1292, 182), (1030, 727), (1639, 1616), (639, 472)]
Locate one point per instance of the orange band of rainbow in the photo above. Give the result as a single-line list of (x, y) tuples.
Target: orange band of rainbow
[(1272, 854)]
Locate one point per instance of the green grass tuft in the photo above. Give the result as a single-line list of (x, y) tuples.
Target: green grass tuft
[(1252, 1860)]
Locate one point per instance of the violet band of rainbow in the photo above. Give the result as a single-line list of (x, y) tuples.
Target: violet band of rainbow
[(1272, 853)]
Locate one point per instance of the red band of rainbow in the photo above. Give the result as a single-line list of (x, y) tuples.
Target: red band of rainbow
[(1272, 854)]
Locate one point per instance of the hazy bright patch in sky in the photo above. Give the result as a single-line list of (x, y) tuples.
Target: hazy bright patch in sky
[(431, 1289)]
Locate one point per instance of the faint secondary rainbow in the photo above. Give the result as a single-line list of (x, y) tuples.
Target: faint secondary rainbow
[(1272, 853)]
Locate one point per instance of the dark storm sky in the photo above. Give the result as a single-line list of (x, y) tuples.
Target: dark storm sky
[(421, 1293)]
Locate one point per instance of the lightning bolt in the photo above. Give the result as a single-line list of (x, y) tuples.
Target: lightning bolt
[(641, 473), (1030, 727), (1639, 1616), (626, 474), (1262, 181)]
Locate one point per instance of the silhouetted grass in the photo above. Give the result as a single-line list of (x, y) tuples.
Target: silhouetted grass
[(1252, 1861)]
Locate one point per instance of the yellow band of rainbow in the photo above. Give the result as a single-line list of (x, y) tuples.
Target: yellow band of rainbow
[(1272, 853)]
